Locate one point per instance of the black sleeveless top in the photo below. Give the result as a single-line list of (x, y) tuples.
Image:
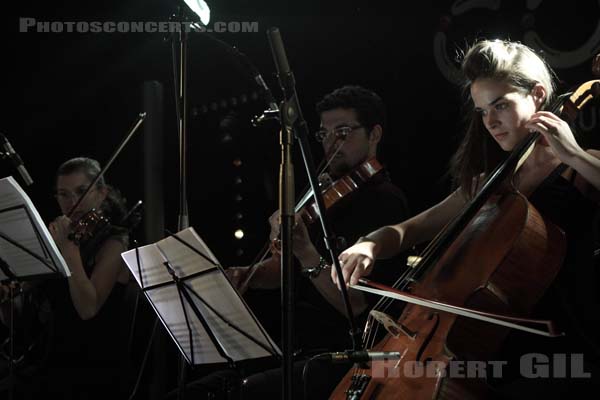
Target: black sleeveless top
[(572, 301), (96, 342)]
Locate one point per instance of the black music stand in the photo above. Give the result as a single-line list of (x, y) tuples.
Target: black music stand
[(197, 304), (27, 250)]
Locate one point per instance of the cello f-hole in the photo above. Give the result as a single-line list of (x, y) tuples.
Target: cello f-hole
[(429, 335)]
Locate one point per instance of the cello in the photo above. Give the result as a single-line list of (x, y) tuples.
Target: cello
[(498, 256)]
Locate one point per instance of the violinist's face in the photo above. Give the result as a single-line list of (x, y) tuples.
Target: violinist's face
[(357, 147), (72, 186), (504, 111)]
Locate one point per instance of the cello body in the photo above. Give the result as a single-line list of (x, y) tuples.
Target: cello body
[(502, 262), (499, 256)]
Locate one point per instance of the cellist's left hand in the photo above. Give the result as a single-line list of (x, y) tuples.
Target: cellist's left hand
[(556, 133)]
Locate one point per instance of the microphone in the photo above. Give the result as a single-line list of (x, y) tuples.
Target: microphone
[(259, 80), (15, 159), (268, 95), (293, 113), (362, 356)]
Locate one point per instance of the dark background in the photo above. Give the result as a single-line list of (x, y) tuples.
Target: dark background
[(72, 94)]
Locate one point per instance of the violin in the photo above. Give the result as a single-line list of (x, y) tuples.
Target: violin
[(341, 188), (94, 223), (498, 256), (88, 226), (332, 193)]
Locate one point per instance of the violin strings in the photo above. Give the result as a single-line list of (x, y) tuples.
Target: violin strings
[(264, 252)]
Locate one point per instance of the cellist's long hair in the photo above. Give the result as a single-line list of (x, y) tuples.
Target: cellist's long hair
[(506, 62)]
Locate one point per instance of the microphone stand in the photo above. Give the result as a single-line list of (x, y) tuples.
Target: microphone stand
[(180, 81), (179, 44), (292, 121)]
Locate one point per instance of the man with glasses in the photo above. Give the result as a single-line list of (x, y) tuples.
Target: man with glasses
[(351, 128)]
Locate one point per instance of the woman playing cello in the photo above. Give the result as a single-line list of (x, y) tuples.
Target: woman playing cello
[(510, 89)]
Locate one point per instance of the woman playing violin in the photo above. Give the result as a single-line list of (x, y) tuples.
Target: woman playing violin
[(510, 88), (93, 276), (87, 341)]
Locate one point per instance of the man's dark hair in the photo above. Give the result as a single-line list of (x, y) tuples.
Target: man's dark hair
[(368, 106)]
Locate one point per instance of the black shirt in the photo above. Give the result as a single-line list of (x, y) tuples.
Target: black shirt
[(376, 203)]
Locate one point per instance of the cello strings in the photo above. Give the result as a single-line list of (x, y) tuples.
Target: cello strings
[(402, 283), (371, 329)]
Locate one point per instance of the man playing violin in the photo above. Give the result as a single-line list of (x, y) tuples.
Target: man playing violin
[(510, 89), (351, 128)]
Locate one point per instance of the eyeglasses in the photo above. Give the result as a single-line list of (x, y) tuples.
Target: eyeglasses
[(341, 132), (64, 195)]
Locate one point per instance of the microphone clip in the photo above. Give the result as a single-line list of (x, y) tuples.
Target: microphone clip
[(267, 115)]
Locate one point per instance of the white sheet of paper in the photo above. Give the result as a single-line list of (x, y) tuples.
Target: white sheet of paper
[(181, 258), (16, 225), (213, 287)]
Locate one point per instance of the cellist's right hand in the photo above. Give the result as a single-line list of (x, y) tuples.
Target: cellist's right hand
[(356, 261)]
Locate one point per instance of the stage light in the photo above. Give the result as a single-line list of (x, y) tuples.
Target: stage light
[(200, 8)]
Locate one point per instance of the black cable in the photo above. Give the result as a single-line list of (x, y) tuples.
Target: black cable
[(305, 371), (139, 378), (133, 319)]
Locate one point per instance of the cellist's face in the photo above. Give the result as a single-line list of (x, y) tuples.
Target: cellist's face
[(357, 144), (504, 111)]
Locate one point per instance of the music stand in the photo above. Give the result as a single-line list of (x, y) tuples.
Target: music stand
[(195, 301), (27, 250)]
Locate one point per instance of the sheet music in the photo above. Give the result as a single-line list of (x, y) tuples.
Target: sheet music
[(213, 287), (183, 259), (17, 213)]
